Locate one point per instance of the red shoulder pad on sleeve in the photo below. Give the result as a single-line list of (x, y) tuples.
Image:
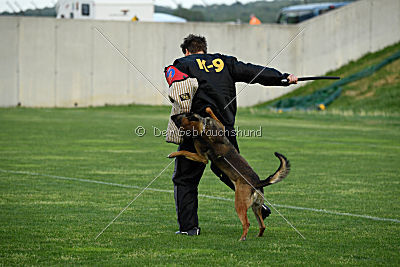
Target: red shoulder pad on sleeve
[(172, 74)]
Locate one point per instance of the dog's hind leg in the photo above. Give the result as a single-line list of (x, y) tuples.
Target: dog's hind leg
[(257, 211), (242, 205)]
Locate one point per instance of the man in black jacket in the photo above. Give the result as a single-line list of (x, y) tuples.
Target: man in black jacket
[(216, 75)]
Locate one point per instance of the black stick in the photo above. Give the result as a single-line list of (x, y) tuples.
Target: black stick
[(318, 78)]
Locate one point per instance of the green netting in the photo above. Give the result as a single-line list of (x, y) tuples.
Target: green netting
[(325, 96)]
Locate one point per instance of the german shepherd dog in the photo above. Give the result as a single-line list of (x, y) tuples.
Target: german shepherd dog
[(211, 144)]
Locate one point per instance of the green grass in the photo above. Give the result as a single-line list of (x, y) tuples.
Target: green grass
[(347, 164), (379, 92)]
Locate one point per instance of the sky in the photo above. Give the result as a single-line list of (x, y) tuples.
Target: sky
[(30, 4)]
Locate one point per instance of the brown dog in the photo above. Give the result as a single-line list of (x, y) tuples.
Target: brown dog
[(211, 144)]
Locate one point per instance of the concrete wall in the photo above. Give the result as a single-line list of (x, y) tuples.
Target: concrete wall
[(9, 59), (334, 39), (46, 62)]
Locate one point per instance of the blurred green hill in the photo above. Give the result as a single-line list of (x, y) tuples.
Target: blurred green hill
[(267, 12), (379, 92)]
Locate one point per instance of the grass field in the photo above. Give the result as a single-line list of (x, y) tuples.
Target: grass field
[(53, 206)]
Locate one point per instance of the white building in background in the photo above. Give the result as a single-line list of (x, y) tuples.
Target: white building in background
[(142, 10), (125, 10)]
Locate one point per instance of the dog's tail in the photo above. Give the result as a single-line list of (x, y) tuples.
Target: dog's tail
[(280, 173)]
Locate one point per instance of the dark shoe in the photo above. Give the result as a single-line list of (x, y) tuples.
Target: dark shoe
[(194, 231), (265, 211)]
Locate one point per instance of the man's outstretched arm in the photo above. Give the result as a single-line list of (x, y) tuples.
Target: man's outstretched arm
[(251, 73)]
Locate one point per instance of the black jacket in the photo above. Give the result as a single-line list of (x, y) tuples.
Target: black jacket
[(217, 75)]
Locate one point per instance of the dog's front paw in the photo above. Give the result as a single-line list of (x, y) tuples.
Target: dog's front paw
[(172, 155)]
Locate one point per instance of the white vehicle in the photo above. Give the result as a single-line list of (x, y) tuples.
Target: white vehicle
[(142, 10)]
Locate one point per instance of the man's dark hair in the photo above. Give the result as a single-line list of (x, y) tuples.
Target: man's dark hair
[(194, 43)]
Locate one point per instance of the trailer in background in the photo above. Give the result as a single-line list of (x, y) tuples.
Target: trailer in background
[(142, 10)]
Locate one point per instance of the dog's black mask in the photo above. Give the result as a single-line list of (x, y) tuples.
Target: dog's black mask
[(177, 119)]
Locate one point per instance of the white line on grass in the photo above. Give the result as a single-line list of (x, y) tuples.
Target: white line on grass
[(340, 213), (200, 195)]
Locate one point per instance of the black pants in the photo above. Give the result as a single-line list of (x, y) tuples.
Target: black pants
[(186, 178)]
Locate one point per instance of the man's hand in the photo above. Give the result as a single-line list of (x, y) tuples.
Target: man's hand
[(292, 79)]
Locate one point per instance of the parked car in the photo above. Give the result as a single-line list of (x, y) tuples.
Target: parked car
[(299, 13)]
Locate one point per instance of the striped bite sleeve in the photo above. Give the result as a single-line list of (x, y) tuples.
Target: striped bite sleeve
[(181, 94)]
